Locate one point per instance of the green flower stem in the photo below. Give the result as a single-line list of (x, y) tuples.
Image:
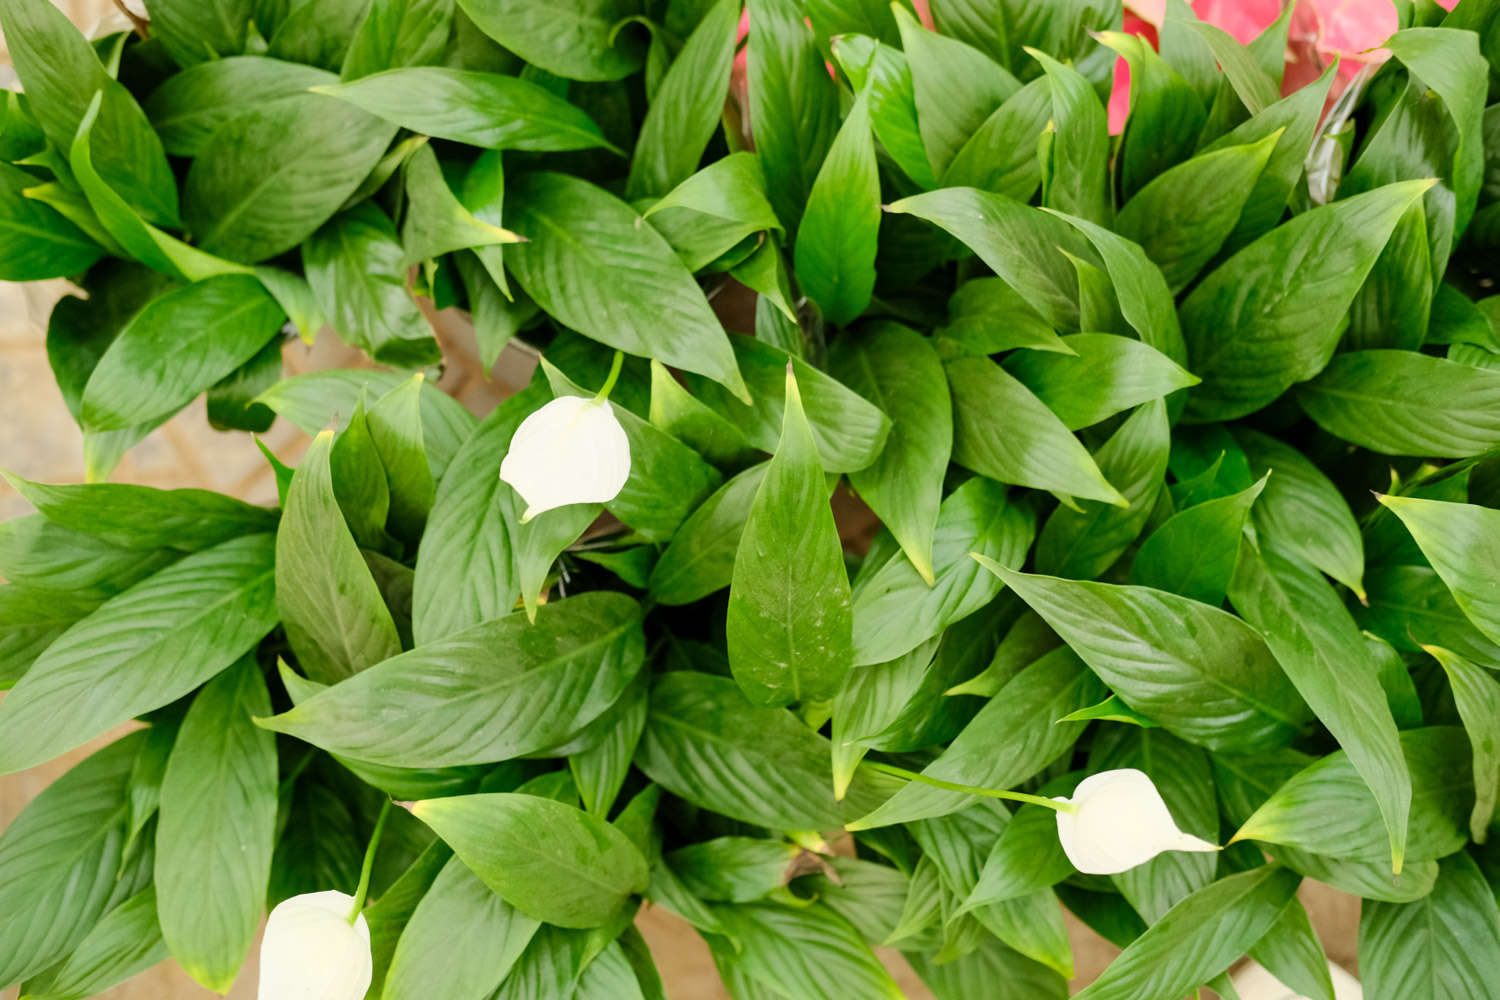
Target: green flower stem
[(369, 863), (953, 786), (614, 376)]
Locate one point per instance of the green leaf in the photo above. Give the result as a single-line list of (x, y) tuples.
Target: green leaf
[(1291, 951), (707, 744), (700, 558), (600, 771), (1161, 131), (551, 861), (1321, 650), (317, 35), (835, 251), (992, 962), (896, 368), (356, 267), (789, 623), (1193, 552), (794, 103), (141, 650), (1012, 738), (1444, 944), (1255, 89), (576, 39), (955, 86), (1026, 859), (217, 827), (318, 400), (804, 953), (194, 31), (893, 108), (479, 109), (596, 269), (36, 242), (1268, 318), (1410, 606), (125, 942), (1202, 673), (436, 223), (686, 106), (987, 316), (1477, 695), (1459, 541), (1080, 151), (462, 940), (272, 175), (676, 411), (895, 610), (1181, 235), (392, 912), (1034, 447), (189, 107), (849, 430), (1001, 156), (398, 33), (1327, 808), (1084, 543), (459, 705), (230, 402), (1301, 513), (144, 518), (61, 855), (208, 329), (871, 700), (61, 74), (1119, 373), (737, 869), (1198, 938), (334, 615), (1406, 403), (395, 424), (32, 619)]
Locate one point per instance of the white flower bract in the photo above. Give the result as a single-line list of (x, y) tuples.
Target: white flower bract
[(573, 450), (311, 952), (1120, 822)]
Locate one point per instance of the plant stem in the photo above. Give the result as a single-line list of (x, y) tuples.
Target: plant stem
[(953, 786), (614, 376), (369, 863)]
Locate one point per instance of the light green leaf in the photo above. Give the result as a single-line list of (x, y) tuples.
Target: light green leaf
[(61, 856), (1445, 944), (436, 223), (1101, 375), (1001, 156), (217, 827), (1033, 448), (870, 700), (1198, 938), (1193, 553), (575, 39), (398, 33), (896, 368), (32, 619), (893, 107), (1268, 318), (396, 431), (480, 109), (1080, 152), (689, 420), (460, 705), (549, 860), (197, 30), (600, 771), (700, 558), (1327, 808), (125, 942), (836, 242), (144, 649), (1255, 89), (987, 316), (804, 953), (1162, 129), (189, 107), (1291, 951), (1477, 695), (1459, 541), (789, 623), (1202, 673), (37, 242)]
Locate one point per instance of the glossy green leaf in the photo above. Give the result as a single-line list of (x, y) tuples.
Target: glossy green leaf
[(1328, 809), (62, 854), (1410, 605), (893, 107), (1202, 673), (576, 39), (436, 222), (596, 269), (991, 963), (706, 743), (549, 860), (794, 103), (1477, 695), (1034, 447), (789, 623), (700, 558), (125, 942), (836, 242), (871, 699), (1165, 118), (217, 827), (32, 619), (680, 414), (1001, 155), (736, 869), (1198, 938), (1027, 858), (356, 267), (319, 36), (399, 33), (197, 30), (141, 650), (1100, 376), (1405, 403), (895, 610), (1012, 738), (1459, 541), (1267, 319), (805, 953), (1444, 944), (600, 771), (395, 422), (189, 107), (392, 912), (36, 242), (1080, 151), (1251, 84), (480, 109), (1193, 552), (462, 940)]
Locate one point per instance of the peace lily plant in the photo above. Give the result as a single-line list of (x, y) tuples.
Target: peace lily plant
[(1075, 519)]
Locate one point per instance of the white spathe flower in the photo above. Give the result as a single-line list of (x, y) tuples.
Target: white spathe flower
[(311, 952), (573, 450), (1120, 821)]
